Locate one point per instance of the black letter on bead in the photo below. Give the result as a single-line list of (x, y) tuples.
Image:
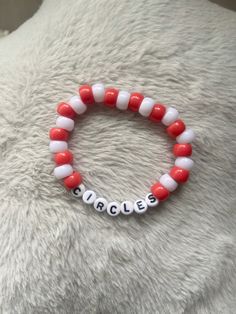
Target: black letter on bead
[(113, 206), (89, 197), (140, 205), (100, 205), (151, 198), (125, 208), (77, 191)]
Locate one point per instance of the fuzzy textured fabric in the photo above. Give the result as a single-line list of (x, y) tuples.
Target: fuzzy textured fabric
[(60, 256)]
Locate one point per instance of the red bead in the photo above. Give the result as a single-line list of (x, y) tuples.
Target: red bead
[(157, 113), (73, 180), (182, 150), (135, 101), (160, 192), (65, 110), (58, 134), (62, 158), (110, 97), (86, 94), (179, 175), (176, 128)]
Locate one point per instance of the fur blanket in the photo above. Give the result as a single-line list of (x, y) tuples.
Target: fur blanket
[(60, 256)]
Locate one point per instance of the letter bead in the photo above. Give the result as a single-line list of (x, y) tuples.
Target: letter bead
[(100, 204), (89, 197), (113, 209), (78, 191), (127, 207), (140, 206), (151, 200)]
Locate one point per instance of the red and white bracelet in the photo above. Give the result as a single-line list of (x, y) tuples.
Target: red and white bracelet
[(136, 102)]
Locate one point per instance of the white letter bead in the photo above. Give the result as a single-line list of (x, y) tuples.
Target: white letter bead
[(98, 92), (170, 116), (146, 106), (122, 100), (63, 171), (127, 207), (140, 206), (89, 197), (77, 105), (100, 204), (113, 209), (151, 200), (187, 136), (65, 123), (169, 183), (184, 162), (78, 191), (58, 146)]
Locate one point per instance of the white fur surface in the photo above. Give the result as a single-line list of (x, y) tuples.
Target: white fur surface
[(60, 256)]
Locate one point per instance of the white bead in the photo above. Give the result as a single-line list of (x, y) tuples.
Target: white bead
[(151, 200), (184, 162), (78, 191), (65, 123), (98, 92), (58, 146), (127, 207), (170, 116), (113, 209), (168, 182), (122, 100), (100, 204), (187, 136), (77, 105), (63, 171), (146, 106), (140, 206), (89, 197)]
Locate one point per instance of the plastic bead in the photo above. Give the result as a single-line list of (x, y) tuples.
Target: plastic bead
[(66, 110), (62, 158), (63, 171), (86, 94), (140, 206), (188, 136), (168, 182), (98, 92), (110, 98), (151, 200), (160, 192), (113, 209), (123, 100), (184, 162), (170, 116), (100, 204), (58, 134), (179, 175), (157, 113), (135, 101), (127, 207), (57, 146), (176, 128), (78, 106), (89, 197), (182, 150), (146, 106), (78, 191), (65, 123), (73, 180)]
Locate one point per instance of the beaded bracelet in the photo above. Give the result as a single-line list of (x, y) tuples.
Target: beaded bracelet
[(136, 102)]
